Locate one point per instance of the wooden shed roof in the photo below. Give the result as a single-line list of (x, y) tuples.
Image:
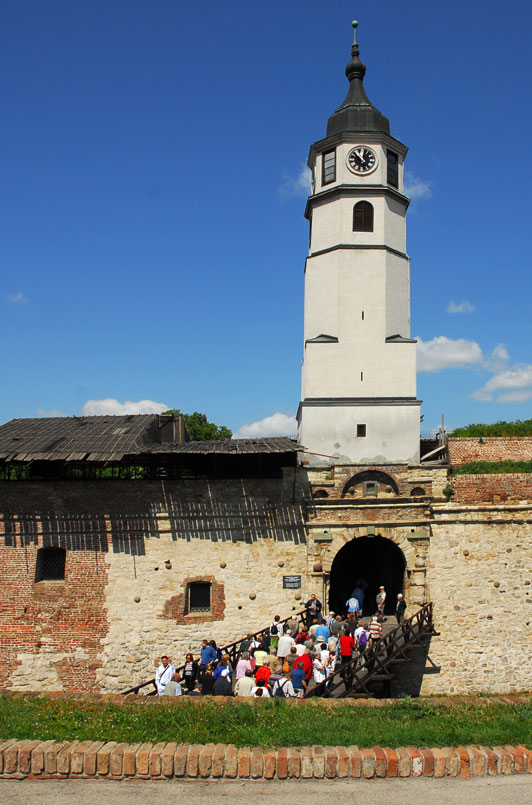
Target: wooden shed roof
[(280, 444), (112, 438), (92, 438)]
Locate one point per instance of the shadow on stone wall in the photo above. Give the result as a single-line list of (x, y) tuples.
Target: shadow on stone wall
[(408, 679), (228, 511)]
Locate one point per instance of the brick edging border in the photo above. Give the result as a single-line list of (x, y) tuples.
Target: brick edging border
[(163, 761)]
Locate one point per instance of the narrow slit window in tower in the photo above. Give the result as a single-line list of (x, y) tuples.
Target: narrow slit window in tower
[(328, 173), (393, 169)]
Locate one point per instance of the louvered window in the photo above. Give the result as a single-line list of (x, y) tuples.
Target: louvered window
[(199, 596), (393, 169), (50, 564), (363, 217), (328, 173)]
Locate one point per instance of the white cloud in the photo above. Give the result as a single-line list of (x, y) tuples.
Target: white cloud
[(40, 412), (511, 385), (17, 298), (275, 425), (415, 187), (298, 186), (112, 406), (482, 396), (498, 359), (515, 396), (460, 307), (446, 353)]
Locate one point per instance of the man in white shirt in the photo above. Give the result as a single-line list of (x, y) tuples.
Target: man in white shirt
[(284, 645), (285, 686), (173, 688), (163, 674), (381, 600), (245, 684)]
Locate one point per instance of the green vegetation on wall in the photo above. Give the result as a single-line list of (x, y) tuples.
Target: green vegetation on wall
[(489, 467), (517, 428)]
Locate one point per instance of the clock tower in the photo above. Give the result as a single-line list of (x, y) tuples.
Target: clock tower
[(358, 395)]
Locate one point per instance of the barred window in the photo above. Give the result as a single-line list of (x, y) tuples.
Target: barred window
[(199, 596), (328, 172), (361, 431), (50, 564)]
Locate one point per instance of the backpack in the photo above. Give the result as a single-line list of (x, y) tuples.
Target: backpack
[(274, 630), (279, 689), (363, 640)]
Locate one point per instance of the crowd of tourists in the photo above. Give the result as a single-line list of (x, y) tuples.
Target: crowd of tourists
[(284, 660)]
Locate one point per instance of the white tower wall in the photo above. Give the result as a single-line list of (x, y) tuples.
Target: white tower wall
[(358, 401)]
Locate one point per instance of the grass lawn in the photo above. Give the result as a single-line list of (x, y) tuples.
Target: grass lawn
[(271, 723)]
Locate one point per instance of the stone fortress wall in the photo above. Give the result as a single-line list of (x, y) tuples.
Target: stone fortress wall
[(133, 546)]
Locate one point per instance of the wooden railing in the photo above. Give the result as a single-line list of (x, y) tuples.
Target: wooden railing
[(232, 649), (374, 665)]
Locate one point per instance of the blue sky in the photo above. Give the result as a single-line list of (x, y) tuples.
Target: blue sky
[(152, 199)]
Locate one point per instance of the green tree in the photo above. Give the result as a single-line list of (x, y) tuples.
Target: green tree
[(199, 427)]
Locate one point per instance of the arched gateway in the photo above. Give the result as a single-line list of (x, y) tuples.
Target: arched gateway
[(372, 560)]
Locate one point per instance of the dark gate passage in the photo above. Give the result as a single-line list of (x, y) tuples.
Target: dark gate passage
[(377, 561)]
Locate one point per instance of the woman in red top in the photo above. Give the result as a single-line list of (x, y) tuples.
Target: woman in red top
[(347, 644), (263, 672), (307, 664)]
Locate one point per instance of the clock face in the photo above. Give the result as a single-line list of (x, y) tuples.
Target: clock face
[(361, 159)]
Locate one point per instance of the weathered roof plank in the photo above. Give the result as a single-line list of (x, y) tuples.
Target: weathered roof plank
[(111, 438)]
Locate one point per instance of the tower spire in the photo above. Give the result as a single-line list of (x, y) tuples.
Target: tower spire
[(355, 68), (357, 113)]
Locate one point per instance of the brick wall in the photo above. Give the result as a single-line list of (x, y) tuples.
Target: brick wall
[(51, 632), (492, 448), (492, 488)]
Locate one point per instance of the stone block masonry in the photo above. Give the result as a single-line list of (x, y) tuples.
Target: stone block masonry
[(132, 549), (480, 580), (160, 761)]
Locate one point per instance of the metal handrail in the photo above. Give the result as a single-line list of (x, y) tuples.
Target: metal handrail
[(233, 649)]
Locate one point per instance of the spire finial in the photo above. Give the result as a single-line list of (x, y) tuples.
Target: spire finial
[(355, 26), (355, 68)]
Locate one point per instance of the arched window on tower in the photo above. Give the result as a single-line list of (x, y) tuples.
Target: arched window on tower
[(363, 217)]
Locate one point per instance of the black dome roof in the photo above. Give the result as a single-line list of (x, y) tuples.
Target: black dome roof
[(357, 113)]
